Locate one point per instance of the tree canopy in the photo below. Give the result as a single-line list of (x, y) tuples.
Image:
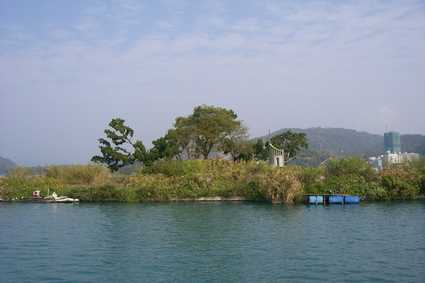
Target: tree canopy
[(118, 148), (261, 151), (291, 143), (238, 145), (206, 128), (165, 147)]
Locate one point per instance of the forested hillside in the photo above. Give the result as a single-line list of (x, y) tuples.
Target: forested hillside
[(325, 142), (413, 143)]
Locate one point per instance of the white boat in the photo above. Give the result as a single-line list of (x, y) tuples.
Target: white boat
[(62, 199)]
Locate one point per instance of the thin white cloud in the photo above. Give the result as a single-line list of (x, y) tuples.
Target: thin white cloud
[(289, 65)]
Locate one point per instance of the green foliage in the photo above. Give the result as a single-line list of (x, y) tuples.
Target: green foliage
[(351, 176), (352, 166), (399, 188), (166, 147), (261, 150), (376, 192), (252, 180), (107, 193), (404, 181), (207, 127), (279, 185), (115, 149), (170, 180), (355, 176), (346, 184), (291, 143), (418, 167), (183, 136), (20, 183), (19, 173), (312, 179), (176, 167), (237, 145)]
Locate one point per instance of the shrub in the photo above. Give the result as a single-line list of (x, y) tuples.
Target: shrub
[(351, 166), (376, 192), (278, 185), (312, 180), (398, 188), (402, 181)]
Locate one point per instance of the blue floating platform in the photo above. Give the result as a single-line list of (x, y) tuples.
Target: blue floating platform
[(351, 199), (315, 199), (336, 199), (332, 199)]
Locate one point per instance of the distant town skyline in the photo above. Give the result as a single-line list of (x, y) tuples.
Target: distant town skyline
[(68, 68)]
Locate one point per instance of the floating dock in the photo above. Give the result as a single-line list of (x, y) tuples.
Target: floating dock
[(332, 199)]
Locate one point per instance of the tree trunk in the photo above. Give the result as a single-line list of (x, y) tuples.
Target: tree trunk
[(206, 150)]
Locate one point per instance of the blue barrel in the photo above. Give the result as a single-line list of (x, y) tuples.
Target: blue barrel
[(336, 199), (312, 199), (315, 199), (351, 199)]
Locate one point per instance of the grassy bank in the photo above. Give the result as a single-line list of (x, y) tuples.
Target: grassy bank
[(174, 180)]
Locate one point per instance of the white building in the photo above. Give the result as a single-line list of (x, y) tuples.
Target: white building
[(392, 158), (376, 162)]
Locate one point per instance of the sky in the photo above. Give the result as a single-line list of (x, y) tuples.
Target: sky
[(68, 67)]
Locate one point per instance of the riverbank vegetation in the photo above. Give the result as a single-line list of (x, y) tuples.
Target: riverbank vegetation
[(207, 154), (192, 179)]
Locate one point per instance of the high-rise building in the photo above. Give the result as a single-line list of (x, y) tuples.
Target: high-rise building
[(392, 142)]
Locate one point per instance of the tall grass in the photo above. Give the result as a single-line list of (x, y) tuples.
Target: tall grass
[(191, 179), (79, 174), (163, 181), (252, 180)]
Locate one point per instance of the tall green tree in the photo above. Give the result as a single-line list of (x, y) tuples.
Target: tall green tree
[(238, 145), (206, 128), (261, 151), (118, 148), (166, 147), (291, 143), (184, 134)]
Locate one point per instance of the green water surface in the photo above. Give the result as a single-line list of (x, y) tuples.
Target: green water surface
[(212, 242)]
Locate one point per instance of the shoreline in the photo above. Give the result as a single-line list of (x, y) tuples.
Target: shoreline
[(217, 180), (234, 199)]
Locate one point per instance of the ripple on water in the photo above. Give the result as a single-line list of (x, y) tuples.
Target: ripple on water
[(212, 242)]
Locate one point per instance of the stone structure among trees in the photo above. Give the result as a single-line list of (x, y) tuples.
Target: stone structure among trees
[(276, 156)]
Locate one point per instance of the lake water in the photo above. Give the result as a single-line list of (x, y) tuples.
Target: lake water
[(210, 242)]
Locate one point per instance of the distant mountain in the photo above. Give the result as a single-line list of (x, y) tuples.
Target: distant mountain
[(413, 143), (5, 165), (324, 142)]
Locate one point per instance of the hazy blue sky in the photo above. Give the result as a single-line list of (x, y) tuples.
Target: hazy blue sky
[(68, 67)]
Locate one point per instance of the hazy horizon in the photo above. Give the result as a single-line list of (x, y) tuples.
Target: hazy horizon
[(68, 68)]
